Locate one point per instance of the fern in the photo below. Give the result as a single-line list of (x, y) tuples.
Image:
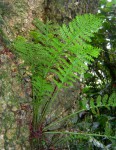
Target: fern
[(61, 53), (56, 57)]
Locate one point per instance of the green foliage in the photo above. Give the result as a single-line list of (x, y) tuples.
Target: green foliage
[(105, 101), (90, 133), (102, 73), (100, 102), (62, 53), (56, 57), (100, 79)]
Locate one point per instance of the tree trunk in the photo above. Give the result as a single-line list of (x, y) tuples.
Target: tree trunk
[(15, 112), (62, 11)]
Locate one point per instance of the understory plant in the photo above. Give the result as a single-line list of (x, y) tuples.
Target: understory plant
[(57, 56)]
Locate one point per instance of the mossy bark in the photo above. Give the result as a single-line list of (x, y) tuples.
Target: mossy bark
[(62, 11), (17, 16)]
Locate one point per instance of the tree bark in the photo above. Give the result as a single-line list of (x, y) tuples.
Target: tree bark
[(62, 11)]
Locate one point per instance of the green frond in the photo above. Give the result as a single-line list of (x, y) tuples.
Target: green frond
[(51, 47), (56, 55), (104, 101)]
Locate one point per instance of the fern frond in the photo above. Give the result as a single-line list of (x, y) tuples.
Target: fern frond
[(64, 52), (104, 102)]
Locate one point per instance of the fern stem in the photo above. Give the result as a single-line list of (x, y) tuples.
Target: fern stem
[(63, 119), (71, 115), (48, 104), (84, 134)]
